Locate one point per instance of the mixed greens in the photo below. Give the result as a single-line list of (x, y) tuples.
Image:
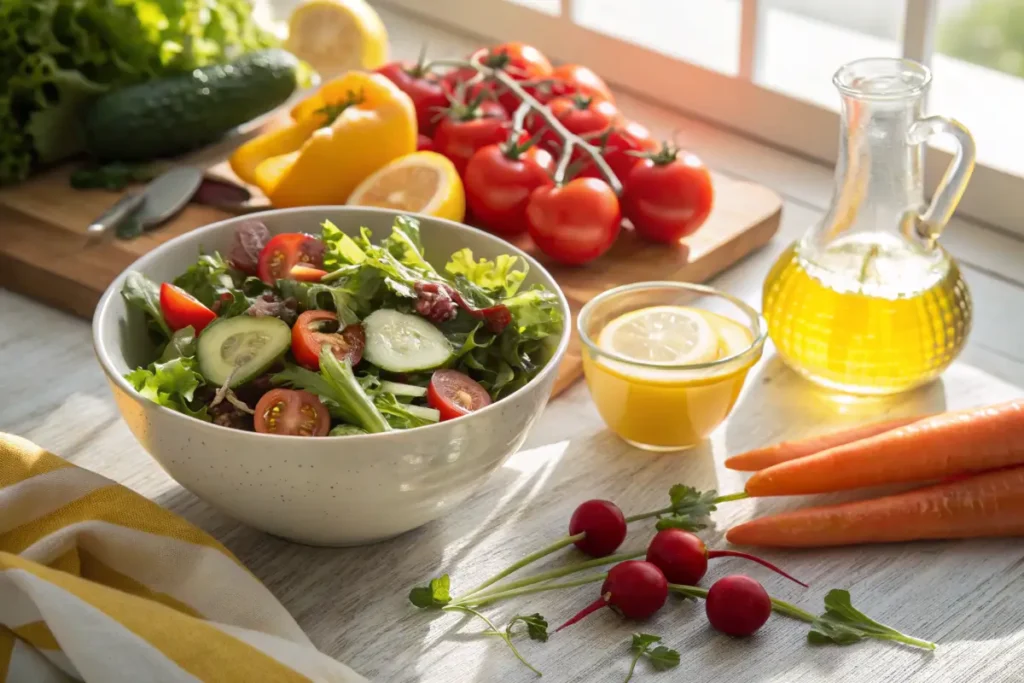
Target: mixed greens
[(298, 334), (56, 56)]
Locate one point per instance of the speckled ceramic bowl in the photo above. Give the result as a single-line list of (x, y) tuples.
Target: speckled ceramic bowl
[(331, 490)]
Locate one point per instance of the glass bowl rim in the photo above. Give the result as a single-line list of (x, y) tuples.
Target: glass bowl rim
[(761, 333)]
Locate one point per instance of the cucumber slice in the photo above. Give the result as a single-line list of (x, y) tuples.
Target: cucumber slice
[(401, 342), (400, 389), (424, 413), (243, 345)]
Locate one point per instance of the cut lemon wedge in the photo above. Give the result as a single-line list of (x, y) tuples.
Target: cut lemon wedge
[(733, 337), (335, 36), (421, 182), (665, 335)]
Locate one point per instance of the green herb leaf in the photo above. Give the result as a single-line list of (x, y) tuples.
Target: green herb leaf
[(690, 509), (536, 626), (843, 624), (642, 641), (141, 292), (663, 658), (434, 595)]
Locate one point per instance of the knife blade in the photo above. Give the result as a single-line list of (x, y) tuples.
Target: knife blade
[(161, 200)]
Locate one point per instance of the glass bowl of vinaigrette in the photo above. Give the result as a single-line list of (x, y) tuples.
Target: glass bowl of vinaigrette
[(665, 361)]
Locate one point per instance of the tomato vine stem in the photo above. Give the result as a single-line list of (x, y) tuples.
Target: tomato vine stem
[(569, 140)]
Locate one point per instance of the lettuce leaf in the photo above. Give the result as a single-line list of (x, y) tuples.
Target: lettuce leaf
[(172, 384), (56, 56), (496, 277)]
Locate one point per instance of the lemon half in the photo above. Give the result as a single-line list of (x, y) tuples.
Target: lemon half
[(421, 182), (336, 36)]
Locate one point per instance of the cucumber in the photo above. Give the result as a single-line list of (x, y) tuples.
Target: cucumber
[(243, 345), (401, 342), (169, 116), (399, 389)]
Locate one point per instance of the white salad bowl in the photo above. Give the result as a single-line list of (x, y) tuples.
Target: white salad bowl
[(332, 491)]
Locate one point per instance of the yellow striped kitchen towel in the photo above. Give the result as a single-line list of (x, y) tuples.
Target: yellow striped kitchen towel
[(97, 583)]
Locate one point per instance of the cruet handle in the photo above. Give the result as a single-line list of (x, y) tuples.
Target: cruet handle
[(951, 188)]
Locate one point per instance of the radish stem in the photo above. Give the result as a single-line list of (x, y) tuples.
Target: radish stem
[(712, 554), (672, 508), (529, 559), (477, 601), (558, 573)]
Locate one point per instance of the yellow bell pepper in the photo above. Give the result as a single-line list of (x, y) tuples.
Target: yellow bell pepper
[(348, 129)]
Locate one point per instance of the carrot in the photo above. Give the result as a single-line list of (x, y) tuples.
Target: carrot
[(988, 504), (760, 458), (934, 448)]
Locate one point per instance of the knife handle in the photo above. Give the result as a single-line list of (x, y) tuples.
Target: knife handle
[(113, 216)]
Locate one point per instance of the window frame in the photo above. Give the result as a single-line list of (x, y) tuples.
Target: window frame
[(735, 102)]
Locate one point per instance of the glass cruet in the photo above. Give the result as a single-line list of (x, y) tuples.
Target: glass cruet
[(868, 301)]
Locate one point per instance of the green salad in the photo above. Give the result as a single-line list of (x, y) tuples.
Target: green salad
[(334, 335)]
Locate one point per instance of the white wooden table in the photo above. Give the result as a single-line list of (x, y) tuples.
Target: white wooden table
[(967, 596)]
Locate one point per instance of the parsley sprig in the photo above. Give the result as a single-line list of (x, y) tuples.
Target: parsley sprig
[(645, 645)]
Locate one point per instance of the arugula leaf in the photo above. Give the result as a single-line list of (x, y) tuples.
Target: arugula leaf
[(844, 624), (496, 277), (434, 595), (182, 344), (404, 244), (536, 626), (661, 657), (400, 415), (340, 249), (172, 384), (141, 292), (347, 393), (208, 279)]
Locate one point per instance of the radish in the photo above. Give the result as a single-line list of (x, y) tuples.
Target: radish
[(603, 524), (683, 558), (737, 605), (636, 589)]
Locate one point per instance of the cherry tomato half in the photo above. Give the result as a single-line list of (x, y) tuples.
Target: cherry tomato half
[(292, 413), (283, 252), (576, 222), (313, 329), (453, 394), (180, 309), (465, 130), (423, 88), (668, 195), (573, 79), (499, 180)]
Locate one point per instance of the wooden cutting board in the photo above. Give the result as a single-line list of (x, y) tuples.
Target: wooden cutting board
[(44, 253)]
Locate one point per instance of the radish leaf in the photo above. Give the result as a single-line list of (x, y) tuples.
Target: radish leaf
[(433, 595), (844, 624)]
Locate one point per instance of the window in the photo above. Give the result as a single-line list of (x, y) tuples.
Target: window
[(764, 67)]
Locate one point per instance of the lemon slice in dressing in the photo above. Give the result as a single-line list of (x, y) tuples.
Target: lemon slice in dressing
[(664, 335), (733, 337)]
